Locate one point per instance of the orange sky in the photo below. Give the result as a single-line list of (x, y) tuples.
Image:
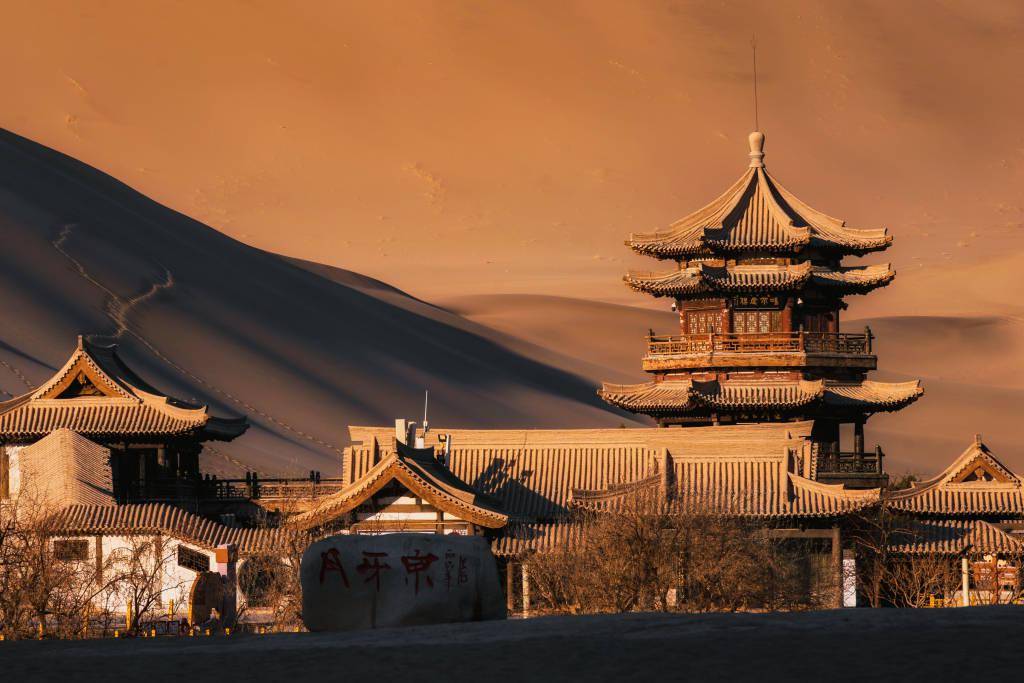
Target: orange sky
[(468, 147)]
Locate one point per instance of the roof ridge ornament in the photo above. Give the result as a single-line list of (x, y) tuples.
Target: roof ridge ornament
[(756, 140)]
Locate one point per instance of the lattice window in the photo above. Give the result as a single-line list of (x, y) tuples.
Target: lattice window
[(703, 322), (192, 559), (756, 322), (71, 550)]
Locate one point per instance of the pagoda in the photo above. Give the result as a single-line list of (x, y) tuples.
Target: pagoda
[(759, 286)]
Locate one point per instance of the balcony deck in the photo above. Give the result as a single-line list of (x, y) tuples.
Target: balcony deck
[(771, 349), (297, 494), (855, 470)]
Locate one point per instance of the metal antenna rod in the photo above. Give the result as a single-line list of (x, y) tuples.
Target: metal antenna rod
[(753, 47), (426, 404)]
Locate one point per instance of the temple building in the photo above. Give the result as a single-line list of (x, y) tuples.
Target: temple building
[(151, 441), (759, 286)]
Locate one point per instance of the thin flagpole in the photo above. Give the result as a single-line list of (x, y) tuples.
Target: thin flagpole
[(753, 47)]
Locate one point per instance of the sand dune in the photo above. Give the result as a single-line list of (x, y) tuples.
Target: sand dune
[(209, 319), (599, 341)]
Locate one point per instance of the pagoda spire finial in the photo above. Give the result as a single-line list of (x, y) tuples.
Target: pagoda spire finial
[(757, 137), (756, 149)]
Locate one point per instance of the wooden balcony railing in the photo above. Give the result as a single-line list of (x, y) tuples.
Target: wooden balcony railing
[(841, 462), (769, 342), (172, 490)]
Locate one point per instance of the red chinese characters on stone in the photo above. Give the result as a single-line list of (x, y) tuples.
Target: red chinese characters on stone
[(373, 568), (330, 561), (449, 566), (416, 564)]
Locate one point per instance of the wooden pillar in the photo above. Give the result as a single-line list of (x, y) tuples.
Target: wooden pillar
[(858, 435), (5, 466), (525, 590), (837, 563), (510, 583), (141, 458), (98, 546), (787, 315), (965, 582)]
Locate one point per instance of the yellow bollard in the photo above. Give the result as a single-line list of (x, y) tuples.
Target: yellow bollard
[(170, 609), (207, 631), (227, 631), (153, 633), (117, 634), (40, 630)]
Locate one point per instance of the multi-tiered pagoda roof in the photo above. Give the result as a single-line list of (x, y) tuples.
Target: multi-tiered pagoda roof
[(703, 278), (757, 213), (656, 398)]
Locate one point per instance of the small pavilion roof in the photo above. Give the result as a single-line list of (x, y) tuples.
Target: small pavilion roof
[(955, 537), (96, 395), (420, 472), (757, 214), (684, 395), (702, 279), (976, 483)]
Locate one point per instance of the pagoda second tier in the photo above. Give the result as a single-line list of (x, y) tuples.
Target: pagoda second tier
[(703, 279), (766, 399), (757, 214)]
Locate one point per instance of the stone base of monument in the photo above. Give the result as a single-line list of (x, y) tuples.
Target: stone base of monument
[(374, 581)]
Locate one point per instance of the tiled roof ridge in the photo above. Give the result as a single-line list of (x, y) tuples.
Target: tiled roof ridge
[(79, 355), (392, 465), (675, 394), (129, 404), (773, 226), (166, 519), (957, 537)]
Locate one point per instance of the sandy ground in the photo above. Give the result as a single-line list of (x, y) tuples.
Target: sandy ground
[(851, 645)]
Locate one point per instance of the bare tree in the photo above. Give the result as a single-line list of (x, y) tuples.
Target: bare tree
[(995, 584), (876, 533), (48, 585), (651, 554), (139, 570), (913, 580)]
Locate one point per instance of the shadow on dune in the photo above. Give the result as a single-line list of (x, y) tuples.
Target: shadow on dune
[(303, 350)]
